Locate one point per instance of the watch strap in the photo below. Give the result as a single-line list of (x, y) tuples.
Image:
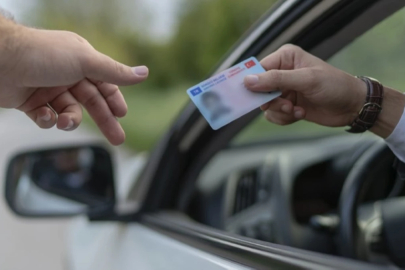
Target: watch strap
[(372, 107)]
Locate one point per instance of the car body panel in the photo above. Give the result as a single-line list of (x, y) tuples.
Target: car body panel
[(110, 245)]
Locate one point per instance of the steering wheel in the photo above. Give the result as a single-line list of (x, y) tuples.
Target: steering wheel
[(373, 229)]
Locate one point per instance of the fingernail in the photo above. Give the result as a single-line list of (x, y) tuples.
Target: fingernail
[(70, 125), (285, 108), (46, 117), (298, 114), (251, 79), (140, 71)]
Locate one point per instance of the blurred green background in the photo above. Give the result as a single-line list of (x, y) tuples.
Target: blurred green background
[(184, 52), (204, 30)]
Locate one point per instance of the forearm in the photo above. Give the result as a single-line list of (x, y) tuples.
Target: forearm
[(392, 109)]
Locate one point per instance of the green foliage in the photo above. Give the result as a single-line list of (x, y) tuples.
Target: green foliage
[(378, 53), (207, 29)]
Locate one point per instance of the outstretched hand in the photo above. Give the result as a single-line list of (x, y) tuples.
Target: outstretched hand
[(40, 69), (311, 89)]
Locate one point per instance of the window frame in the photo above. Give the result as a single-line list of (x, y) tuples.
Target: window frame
[(246, 251)]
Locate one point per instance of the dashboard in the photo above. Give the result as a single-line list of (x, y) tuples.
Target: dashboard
[(272, 191)]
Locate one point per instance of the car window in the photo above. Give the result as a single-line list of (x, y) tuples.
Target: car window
[(378, 53), (234, 187)]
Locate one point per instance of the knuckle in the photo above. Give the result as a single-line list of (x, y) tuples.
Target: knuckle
[(269, 115), (290, 53), (283, 123), (88, 61), (275, 118), (99, 83), (103, 120), (78, 110), (92, 102), (274, 106), (290, 48), (113, 93), (118, 67), (45, 125), (78, 38), (265, 106)]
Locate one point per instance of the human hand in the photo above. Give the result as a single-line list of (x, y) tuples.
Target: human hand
[(59, 68), (311, 89)]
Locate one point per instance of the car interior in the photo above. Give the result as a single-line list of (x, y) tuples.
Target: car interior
[(310, 187)]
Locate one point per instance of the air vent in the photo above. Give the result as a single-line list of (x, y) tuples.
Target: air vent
[(246, 191)]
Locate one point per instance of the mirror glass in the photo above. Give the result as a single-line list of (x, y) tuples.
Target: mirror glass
[(61, 182)]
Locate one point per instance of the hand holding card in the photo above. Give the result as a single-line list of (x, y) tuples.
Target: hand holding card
[(224, 98)]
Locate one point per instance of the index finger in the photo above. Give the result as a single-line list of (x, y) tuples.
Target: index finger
[(100, 67), (297, 80)]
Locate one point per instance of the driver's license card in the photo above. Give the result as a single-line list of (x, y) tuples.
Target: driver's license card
[(224, 98)]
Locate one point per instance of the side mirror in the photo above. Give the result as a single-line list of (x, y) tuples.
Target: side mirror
[(61, 182)]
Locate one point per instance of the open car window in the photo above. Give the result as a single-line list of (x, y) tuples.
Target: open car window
[(234, 191)]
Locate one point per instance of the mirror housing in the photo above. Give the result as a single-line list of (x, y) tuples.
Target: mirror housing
[(61, 182)]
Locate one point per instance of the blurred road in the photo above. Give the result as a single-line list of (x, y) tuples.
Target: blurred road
[(29, 243)]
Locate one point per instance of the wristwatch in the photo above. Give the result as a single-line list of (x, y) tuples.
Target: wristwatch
[(372, 107)]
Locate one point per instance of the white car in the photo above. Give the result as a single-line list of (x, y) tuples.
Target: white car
[(206, 199)]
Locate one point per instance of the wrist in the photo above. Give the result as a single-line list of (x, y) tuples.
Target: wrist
[(11, 41), (392, 109)]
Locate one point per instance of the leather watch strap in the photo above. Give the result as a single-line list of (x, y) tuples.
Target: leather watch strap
[(372, 107)]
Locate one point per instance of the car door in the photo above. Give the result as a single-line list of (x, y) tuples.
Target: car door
[(320, 27)]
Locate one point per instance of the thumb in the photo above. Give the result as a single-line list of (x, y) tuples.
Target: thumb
[(297, 80), (100, 67)]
